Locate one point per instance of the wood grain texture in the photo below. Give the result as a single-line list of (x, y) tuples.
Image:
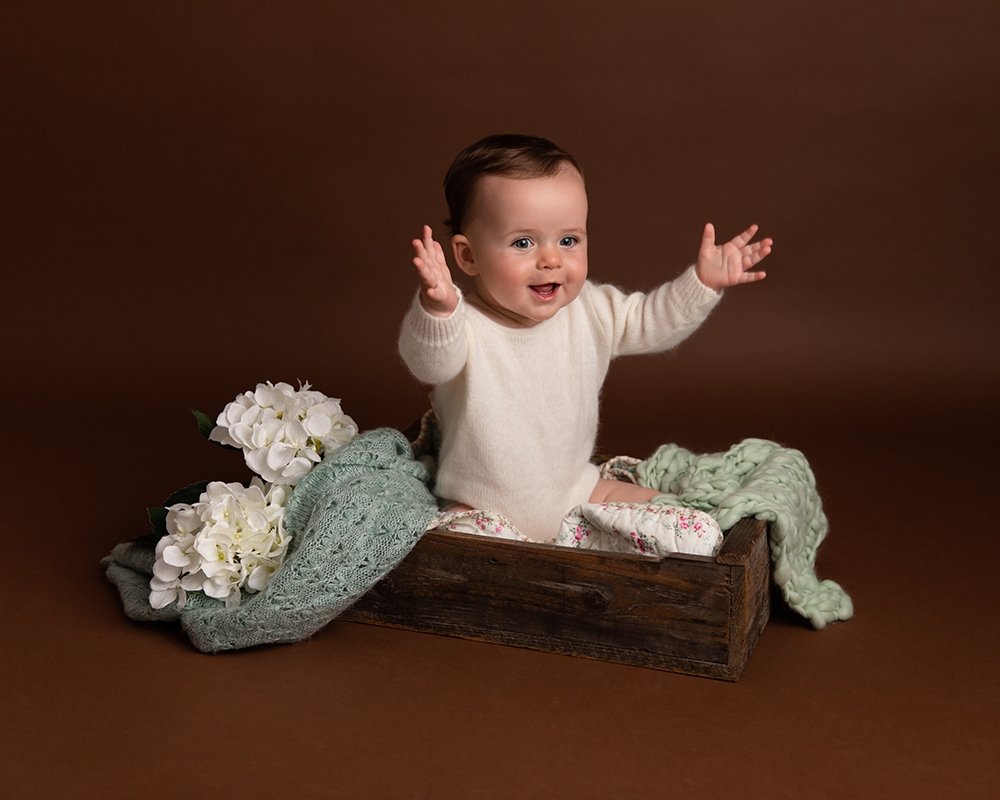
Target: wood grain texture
[(691, 614)]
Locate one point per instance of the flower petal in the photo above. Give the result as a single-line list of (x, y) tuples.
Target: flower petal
[(258, 578), (162, 599), (318, 425), (176, 557), (165, 572), (279, 454)]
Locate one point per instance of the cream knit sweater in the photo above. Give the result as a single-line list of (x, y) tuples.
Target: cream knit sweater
[(518, 407)]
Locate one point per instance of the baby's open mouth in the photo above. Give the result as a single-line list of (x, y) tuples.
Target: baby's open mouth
[(545, 290)]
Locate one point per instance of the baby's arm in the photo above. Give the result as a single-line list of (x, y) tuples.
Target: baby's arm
[(650, 323), (438, 295), (728, 265), (432, 339)]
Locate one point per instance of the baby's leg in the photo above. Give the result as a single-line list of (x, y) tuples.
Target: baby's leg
[(606, 491)]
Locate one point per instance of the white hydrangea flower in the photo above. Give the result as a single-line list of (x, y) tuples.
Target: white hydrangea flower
[(233, 537), (283, 432)]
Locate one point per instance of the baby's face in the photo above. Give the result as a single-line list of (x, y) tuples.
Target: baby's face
[(526, 245)]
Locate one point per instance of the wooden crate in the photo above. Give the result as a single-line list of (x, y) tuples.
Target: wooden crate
[(690, 614)]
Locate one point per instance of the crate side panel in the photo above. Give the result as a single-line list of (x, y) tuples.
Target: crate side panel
[(567, 601)]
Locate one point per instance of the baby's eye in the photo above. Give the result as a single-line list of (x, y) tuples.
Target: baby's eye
[(521, 244), (568, 241)]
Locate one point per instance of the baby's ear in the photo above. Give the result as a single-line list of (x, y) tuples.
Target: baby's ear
[(461, 248)]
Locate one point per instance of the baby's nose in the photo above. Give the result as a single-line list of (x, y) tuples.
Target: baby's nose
[(548, 257)]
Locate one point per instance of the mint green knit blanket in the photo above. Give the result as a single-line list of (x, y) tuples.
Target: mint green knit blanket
[(359, 512), (352, 519), (762, 479)]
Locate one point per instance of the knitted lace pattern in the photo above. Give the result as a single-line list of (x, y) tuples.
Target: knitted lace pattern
[(352, 519), (761, 479)]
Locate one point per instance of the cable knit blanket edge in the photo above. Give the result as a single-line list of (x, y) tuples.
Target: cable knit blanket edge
[(762, 479)]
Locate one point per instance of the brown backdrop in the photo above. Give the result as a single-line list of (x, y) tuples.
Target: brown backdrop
[(201, 196)]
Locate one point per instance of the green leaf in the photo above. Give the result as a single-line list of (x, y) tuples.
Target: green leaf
[(189, 494), (158, 516), (158, 520), (205, 427), (205, 423)]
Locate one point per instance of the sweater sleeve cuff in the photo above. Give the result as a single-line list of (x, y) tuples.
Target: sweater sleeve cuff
[(692, 292), (437, 331)]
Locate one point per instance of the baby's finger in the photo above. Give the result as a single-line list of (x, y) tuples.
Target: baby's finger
[(431, 248), (427, 275), (420, 244), (424, 265), (708, 235), (745, 237), (434, 255), (755, 256), (429, 239), (431, 258)]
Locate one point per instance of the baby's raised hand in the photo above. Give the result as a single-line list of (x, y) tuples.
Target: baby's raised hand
[(729, 264), (438, 295)]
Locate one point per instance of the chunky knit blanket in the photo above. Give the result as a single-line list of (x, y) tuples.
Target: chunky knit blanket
[(352, 519), (765, 480)]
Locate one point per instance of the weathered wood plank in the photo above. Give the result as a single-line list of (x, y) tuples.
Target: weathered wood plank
[(681, 613), (750, 584)]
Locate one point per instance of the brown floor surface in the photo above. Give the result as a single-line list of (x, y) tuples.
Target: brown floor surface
[(210, 195), (900, 701)]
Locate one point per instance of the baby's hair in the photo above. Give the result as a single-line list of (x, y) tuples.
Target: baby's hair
[(507, 154)]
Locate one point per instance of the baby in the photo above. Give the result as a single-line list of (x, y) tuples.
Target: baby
[(517, 363)]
